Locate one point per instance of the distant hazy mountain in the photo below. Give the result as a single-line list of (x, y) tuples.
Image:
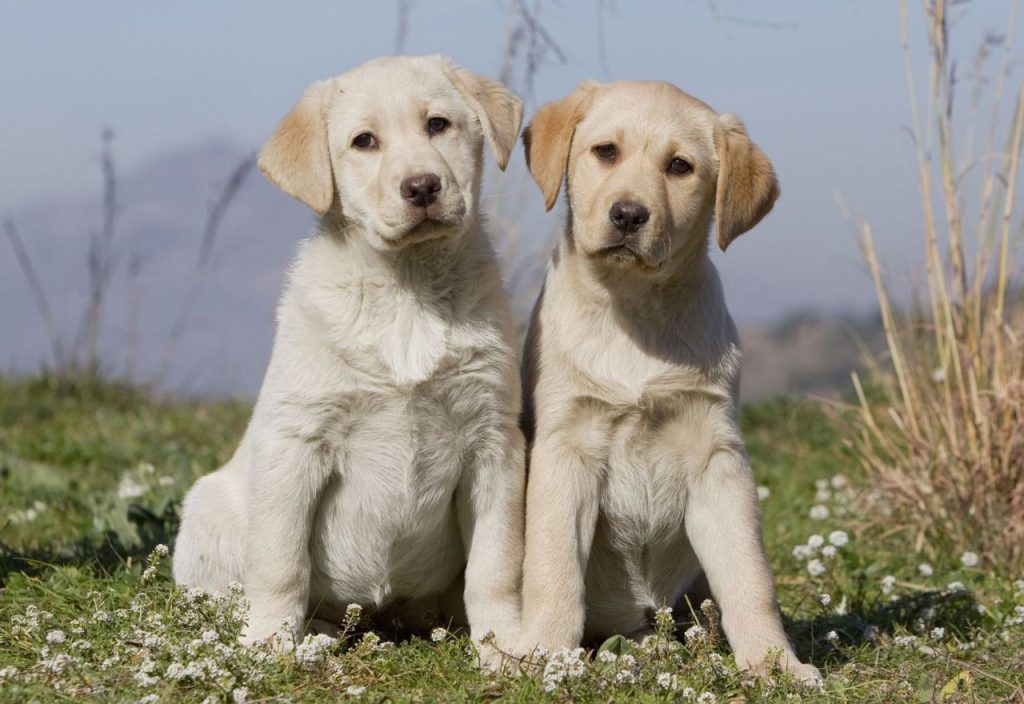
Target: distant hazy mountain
[(224, 350)]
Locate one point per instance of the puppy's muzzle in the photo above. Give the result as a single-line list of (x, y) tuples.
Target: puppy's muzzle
[(421, 190)]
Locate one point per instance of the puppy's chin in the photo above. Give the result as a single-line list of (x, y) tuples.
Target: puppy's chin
[(394, 239), (625, 258)]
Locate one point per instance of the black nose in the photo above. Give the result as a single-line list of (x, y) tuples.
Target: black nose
[(421, 190), (628, 216)]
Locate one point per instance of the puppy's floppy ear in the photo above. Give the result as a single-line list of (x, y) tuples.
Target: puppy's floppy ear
[(747, 187), (296, 158), (500, 113), (548, 137)]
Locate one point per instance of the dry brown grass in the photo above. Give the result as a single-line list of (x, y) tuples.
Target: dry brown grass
[(941, 430)]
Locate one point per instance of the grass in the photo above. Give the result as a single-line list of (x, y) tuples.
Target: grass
[(945, 443), (90, 480)]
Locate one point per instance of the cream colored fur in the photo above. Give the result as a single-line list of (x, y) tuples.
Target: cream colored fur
[(383, 464), (638, 477)]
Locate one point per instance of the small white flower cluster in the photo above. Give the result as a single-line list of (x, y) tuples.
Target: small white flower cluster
[(667, 680), (628, 671), (695, 634), (438, 635), (834, 491), (563, 664), (312, 652), (969, 559), (136, 483), (816, 545), (29, 514)]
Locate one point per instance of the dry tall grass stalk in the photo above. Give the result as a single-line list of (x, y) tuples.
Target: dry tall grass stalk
[(944, 437)]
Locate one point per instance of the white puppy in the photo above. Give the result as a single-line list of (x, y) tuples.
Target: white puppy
[(638, 476), (383, 460)]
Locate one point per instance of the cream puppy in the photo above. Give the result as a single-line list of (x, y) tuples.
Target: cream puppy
[(638, 476), (383, 461)]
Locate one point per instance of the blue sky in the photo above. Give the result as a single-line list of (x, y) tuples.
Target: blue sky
[(822, 91)]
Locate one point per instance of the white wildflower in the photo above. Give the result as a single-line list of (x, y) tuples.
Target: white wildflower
[(563, 664), (145, 680), (694, 633), (128, 488), (763, 493), (832, 637), (355, 691), (353, 612), (815, 541), (969, 559), (625, 676), (438, 634), (838, 481), (816, 568), (904, 641), (802, 552), (925, 569), (839, 538), (55, 637), (824, 599), (956, 587), (312, 651), (888, 584), (240, 695), (149, 574), (607, 656), (161, 550), (666, 680), (938, 633), (165, 480), (819, 512), (938, 375), (706, 698), (176, 671), (57, 663), (8, 672), (829, 551)]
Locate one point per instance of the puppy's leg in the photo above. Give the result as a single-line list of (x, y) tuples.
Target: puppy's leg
[(562, 501), (490, 508), (208, 549), (723, 522), (287, 478)]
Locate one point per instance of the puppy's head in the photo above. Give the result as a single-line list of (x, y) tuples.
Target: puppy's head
[(647, 165), (396, 145)]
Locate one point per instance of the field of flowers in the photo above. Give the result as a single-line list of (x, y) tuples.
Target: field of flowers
[(90, 480)]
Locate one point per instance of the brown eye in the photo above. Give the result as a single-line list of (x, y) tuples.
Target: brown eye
[(437, 125), (606, 152), (364, 141), (680, 166)]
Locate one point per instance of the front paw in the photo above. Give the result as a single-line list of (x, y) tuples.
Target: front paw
[(490, 658), (280, 634), (807, 674)]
